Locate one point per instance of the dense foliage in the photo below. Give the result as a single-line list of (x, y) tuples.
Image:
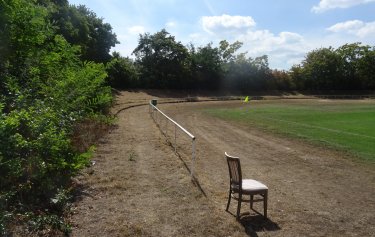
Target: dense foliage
[(349, 67), (163, 62), (122, 72), (81, 26), (45, 89)]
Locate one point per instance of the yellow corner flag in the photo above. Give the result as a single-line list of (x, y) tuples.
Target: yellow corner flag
[(246, 99)]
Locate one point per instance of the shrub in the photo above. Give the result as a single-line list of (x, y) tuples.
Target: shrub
[(122, 73), (44, 91)]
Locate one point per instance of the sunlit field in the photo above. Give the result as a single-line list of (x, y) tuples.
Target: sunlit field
[(343, 125)]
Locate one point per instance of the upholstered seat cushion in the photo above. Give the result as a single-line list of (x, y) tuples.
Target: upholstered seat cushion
[(252, 185)]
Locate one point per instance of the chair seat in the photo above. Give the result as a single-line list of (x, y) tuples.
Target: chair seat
[(253, 185), (250, 185)]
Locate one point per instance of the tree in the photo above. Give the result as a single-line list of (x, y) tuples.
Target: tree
[(322, 69), (297, 76), (100, 37), (163, 61), (280, 80), (122, 72), (349, 67), (227, 51), (366, 69), (207, 66), (248, 74), (81, 26), (353, 58)]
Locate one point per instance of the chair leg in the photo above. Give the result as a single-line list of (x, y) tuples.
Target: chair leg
[(229, 198), (265, 200), (239, 206), (251, 201)]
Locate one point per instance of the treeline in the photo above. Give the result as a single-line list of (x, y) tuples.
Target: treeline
[(51, 81), (161, 62), (164, 63), (349, 67)]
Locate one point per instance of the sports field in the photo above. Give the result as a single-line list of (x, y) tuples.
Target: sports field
[(311, 187), (344, 125)]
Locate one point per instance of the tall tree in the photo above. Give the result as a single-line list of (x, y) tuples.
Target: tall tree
[(248, 73), (349, 67), (228, 50), (353, 56), (322, 69), (122, 72), (366, 69), (207, 66), (163, 61), (100, 36), (81, 26)]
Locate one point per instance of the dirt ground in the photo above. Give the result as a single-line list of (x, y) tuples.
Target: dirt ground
[(138, 186)]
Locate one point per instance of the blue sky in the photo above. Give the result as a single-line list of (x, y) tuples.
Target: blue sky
[(285, 30)]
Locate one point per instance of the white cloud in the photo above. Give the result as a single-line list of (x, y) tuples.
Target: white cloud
[(264, 41), (226, 23), (136, 30), (283, 49), (367, 31), (325, 5), (355, 27), (290, 37), (349, 26), (171, 24)]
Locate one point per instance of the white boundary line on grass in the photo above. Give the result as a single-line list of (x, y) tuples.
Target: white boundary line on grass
[(318, 127)]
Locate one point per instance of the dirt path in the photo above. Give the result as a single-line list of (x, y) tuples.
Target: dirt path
[(138, 187)]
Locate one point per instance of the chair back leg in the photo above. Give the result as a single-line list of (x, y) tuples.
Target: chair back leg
[(265, 202)]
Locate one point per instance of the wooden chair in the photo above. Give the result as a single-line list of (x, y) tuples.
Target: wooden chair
[(239, 187)]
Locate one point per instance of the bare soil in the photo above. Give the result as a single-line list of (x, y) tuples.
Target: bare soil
[(138, 186)]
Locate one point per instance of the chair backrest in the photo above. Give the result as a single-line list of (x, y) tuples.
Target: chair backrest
[(234, 167)]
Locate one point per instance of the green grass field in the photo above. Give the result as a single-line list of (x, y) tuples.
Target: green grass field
[(344, 125)]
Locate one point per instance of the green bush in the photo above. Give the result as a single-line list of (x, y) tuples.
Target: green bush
[(44, 91), (122, 72)]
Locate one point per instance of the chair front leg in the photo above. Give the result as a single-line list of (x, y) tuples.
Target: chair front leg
[(239, 206), (229, 198)]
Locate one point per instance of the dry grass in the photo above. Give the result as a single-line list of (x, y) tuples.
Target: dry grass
[(88, 132)]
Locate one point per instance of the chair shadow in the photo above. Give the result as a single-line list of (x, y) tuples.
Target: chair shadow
[(254, 223)]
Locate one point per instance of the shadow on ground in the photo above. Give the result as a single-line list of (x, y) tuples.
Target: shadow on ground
[(254, 223), (258, 223)]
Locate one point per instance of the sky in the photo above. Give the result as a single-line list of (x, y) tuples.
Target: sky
[(285, 30)]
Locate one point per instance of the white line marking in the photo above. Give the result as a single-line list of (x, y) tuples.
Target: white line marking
[(318, 127)]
